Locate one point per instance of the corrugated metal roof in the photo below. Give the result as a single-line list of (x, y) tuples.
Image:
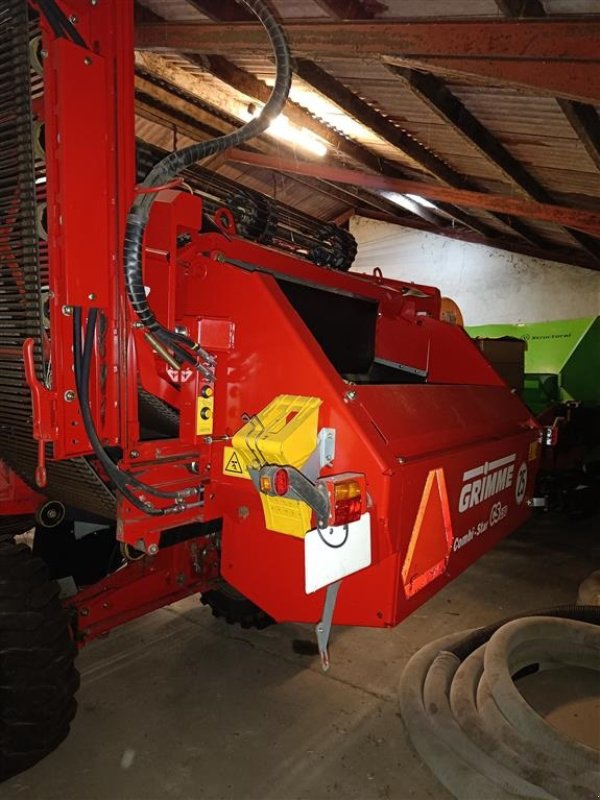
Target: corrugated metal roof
[(531, 127), (284, 188)]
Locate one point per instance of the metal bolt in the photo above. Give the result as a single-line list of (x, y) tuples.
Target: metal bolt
[(67, 310), (243, 512), (138, 325), (180, 579), (91, 296), (73, 19), (87, 61), (84, 612), (94, 2), (69, 396), (134, 454), (153, 549), (350, 396)]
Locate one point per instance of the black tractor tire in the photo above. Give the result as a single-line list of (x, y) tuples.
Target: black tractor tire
[(38, 679), (227, 603)]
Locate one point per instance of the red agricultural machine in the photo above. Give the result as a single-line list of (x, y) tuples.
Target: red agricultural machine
[(193, 402)]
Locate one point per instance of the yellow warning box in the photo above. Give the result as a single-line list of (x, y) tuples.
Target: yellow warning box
[(234, 464), (284, 432)]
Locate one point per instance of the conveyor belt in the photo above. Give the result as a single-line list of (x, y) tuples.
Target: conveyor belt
[(24, 271), (261, 218)]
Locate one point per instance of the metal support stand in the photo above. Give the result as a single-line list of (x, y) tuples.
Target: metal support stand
[(323, 628)]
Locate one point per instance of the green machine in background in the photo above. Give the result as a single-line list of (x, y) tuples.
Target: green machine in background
[(562, 359)]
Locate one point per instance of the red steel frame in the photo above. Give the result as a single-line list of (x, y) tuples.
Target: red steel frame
[(414, 443)]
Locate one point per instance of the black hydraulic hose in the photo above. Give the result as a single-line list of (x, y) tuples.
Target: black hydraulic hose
[(128, 477), (171, 165), (81, 381), (120, 478)]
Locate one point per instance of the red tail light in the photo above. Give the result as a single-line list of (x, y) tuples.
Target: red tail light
[(281, 482), (347, 498)]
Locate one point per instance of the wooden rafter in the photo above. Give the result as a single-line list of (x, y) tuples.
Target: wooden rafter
[(583, 118), (368, 116), (585, 122), (223, 10), (350, 9), (521, 8), (559, 56), (448, 107), (534, 40), (170, 106), (561, 215), (257, 90), (250, 85)]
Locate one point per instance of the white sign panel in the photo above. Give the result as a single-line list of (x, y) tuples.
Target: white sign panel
[(333, 553)]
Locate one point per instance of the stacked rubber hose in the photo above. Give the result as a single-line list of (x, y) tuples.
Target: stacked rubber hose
[(471, 725)]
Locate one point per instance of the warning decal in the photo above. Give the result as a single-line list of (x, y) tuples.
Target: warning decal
[(233, 463)]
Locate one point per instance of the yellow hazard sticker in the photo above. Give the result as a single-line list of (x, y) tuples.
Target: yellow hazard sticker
[(233, 463)]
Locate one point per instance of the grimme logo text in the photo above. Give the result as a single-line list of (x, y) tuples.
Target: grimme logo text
[(486, 481)]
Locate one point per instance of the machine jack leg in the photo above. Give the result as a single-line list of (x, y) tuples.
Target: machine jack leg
[(323, 628)]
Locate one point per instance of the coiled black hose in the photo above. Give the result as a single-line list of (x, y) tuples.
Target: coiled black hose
[(470, 724), (121, 479), (184, 348)]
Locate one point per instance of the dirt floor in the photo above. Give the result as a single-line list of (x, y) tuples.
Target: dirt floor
[(181, 705)]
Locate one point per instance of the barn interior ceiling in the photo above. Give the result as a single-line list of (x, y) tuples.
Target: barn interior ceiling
[(474, 119)]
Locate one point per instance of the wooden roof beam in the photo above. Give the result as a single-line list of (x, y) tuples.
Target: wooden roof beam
[(583, 118), (160, 103), (561, 215), (345, 9), (223, 10), (448, 107), (556, 56), (248, 84), (397, 137), (257, 90), (173, 86), (352, 9), (521, 8), (585, 122), (535, 40)]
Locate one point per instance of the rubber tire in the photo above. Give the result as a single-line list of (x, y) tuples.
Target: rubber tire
[(227, 603), (38, 679)]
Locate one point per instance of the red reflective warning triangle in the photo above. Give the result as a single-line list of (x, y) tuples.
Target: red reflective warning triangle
[(431, 539)]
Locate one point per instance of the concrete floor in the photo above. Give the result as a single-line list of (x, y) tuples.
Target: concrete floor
[(180, 705)]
